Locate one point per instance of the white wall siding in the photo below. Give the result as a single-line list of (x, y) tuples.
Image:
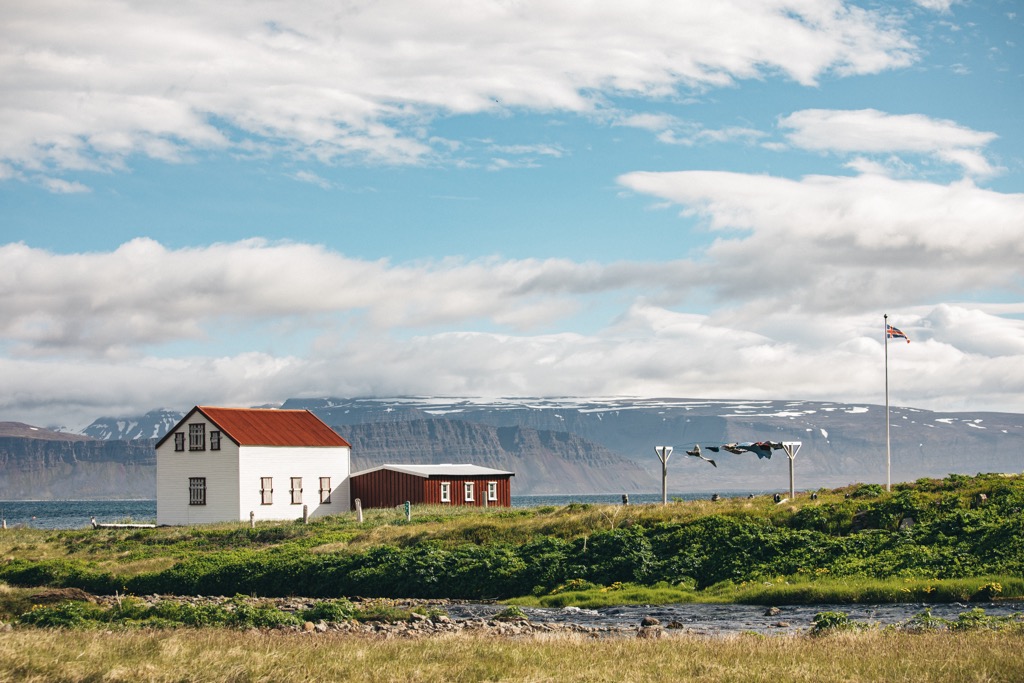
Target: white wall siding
[(174, 468), (283, 463)]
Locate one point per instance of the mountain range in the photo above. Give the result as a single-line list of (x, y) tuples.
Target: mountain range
[(560, 445)]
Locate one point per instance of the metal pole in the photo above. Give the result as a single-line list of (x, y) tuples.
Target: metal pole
[(792, 491), (791, 448), (664, 453), (888, 452)]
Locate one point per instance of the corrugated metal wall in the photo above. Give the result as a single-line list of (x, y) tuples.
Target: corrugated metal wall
[(386, 488), (432, 491)]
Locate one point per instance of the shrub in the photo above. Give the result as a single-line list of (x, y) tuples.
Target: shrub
[(330, 610), (511, 613), (832, 622), (70, 614)]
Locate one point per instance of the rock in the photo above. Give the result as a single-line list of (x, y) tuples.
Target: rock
[(650, 632), (781, 624), (649, 621), (308, 627), (772, 612), (676, 624)]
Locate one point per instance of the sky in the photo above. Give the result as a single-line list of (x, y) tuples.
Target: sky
[(235, 203)]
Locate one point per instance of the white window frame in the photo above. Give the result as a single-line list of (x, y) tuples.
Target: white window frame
[(446, 492), (266, 490), (492, 490), (469, 489), (325, 490), (296, 490)]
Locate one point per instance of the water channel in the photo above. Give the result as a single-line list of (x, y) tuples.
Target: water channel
[(712, 620)]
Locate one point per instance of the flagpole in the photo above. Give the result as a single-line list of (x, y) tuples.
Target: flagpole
[(888, 456)]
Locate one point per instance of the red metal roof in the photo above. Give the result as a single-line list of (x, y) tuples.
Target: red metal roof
[(272, 427)]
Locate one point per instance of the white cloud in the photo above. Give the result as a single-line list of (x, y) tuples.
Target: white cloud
[(648, 351), (870, 130), (313, 179), (259, 322), (51, 303), (60, 186), (361, 80), (838, 243), (936, 5)]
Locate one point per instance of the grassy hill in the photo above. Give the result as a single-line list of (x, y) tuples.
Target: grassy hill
[(955, 539)]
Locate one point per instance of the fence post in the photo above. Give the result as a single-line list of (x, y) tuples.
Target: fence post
[(252, 519), (305, 514), (359, 510), (408, 511)]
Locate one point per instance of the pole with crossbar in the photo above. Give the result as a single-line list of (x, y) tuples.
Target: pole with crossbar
[(664, 453)]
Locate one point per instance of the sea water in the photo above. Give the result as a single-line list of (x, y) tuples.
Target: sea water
[(78, 514)]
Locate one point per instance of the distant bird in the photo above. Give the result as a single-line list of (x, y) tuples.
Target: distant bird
[(697, 454)]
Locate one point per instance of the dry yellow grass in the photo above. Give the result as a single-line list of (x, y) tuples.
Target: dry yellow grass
[(224, 655)]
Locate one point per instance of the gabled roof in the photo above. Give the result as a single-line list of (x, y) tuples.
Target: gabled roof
[(427, 471), (267, 427)]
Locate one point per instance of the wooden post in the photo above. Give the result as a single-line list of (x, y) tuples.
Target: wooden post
[(252, 519), (305, 514), (625, 499), (359, 510)]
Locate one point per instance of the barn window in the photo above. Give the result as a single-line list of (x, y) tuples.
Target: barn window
[(179, 441), (325, 490), (214, 440), (468, 486), (446, 492), (296, 490), (492, 490), (266, 490), (197, 437), (197, 490)]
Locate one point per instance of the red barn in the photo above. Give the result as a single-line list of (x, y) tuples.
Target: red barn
[(392, 485)]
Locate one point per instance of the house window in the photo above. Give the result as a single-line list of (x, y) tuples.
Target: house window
[(446, 492), (197, 490), (266, 490), (214, 440), (296, 490), (179, 441), (468, 486), (325, 490), (197, 437), (492, 490)]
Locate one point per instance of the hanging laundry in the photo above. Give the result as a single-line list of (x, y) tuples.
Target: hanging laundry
[(697, 454)]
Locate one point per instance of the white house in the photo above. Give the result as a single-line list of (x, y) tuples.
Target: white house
[(221, 464)]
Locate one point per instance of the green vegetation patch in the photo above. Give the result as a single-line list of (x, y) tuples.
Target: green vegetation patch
[(957, 539)]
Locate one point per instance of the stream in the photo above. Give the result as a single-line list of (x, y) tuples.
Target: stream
[(711, 620)]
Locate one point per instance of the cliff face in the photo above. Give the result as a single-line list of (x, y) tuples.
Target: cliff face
[(62, 469), (57, 466), (544, 462), (566, 445)]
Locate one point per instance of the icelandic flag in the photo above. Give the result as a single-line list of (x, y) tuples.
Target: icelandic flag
[(892, 333)]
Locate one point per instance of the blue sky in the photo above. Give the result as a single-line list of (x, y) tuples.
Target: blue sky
[(240, 203)]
